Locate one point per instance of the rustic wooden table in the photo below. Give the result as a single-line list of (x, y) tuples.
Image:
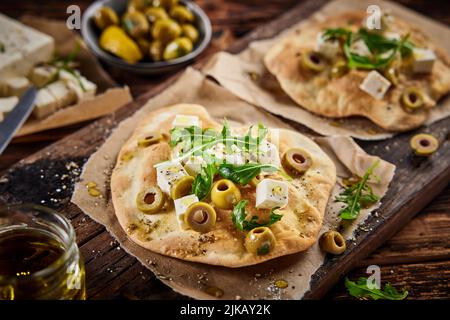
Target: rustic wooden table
[(417, 258)]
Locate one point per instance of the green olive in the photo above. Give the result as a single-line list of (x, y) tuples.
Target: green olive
[(165, 30), (189, 31), (181, 14), (167, 4), (424, 144), (150, 200), (149, 139), (332, 242), (297, 160), (155, 13), (137, 5), (200, 217), (135, 24), (144, 45), (391, 74), (156, 50), (338, 69), (182, 187), (313, 61), (225, 194), (260, 241), (413, 98), (177, 48), (255, 181), (105, 17)]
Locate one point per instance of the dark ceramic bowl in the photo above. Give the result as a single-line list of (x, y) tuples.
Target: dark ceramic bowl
[(91, 36)]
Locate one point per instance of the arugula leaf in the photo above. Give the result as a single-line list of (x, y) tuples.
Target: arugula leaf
[(244, 173), (239, 214), (357, 195), (360, 290), (202, 184)]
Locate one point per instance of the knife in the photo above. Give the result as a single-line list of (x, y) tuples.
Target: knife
[(16, 117)]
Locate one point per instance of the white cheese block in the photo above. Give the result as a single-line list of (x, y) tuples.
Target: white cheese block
[(181, 206), (375, 84), (86, 89), (423, 60), (328, 48), (45, 104), (7, 104), (63, 94), (267, 154), (234, 156), (41, 76), (167, 173), (194, 165), (271, 193), (23, 48), (185, 121), (15, 86), (360, 48)]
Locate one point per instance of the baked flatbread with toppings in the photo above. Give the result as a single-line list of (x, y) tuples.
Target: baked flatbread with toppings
[(339, 68), (237, 196)]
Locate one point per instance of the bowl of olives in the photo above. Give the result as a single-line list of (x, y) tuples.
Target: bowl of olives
[(146, 36)]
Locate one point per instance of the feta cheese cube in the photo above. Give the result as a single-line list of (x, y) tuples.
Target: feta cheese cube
[(392, 35), (23, 48), (271, 193), (181, 206), (167, 173), (7, 104), (328, 48), (86, 89), (41, 76), (194, 165), (267, 154), (184, 121), (15, 86), (423, 60), (375, 84), (45, 104), (360, 48), (64, 95)]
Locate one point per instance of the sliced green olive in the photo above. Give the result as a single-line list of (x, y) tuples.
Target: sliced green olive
[(424, 144), (413, 98), (105, 17), (332, 242), (313, 61), (260, 241), (297, 160), (182, 187), (149, 139), (181, 14), (135, 24), (338, 69), (150, 200), (391, 74), (167, 4), (156, 50), (189, 31), (200, 217), (225, 194), (165, 30), (177, 48), (155, 13)]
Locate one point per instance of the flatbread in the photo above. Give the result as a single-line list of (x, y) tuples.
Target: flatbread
[(342, 97), (224, 245)]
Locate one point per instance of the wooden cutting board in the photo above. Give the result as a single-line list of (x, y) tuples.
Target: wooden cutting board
[(47, 177)]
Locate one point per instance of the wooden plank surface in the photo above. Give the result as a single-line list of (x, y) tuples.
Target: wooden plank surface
[(112, 273)]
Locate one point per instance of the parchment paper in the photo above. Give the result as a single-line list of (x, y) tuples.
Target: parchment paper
[(245, 75), (109, 97), (193, 279)]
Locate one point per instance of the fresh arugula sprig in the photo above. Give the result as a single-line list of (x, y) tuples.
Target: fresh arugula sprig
[(357, 194), (383, 50), (239, 215), (202, 184), (244, 173), (360, 290)]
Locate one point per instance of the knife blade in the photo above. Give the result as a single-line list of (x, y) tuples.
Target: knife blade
[(16, 117)]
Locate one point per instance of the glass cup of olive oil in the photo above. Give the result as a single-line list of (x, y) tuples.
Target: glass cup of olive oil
[(39, 257)]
